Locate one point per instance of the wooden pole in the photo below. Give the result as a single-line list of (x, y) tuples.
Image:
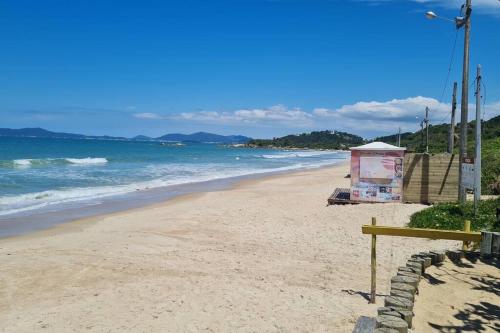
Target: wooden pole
[(451, 139), (464, 107), (477, 162), (465, 245), (422, 134), (399, 137), (427, 130), (374, 264)]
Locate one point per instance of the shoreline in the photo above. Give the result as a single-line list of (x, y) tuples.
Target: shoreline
[(266, 254), (21, 224)]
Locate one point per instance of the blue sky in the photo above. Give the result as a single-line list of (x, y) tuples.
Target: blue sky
[(253, 67)]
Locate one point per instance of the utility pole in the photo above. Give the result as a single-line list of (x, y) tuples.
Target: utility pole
[(477, 164), (451, 139), (465, 98), (399, 137), (422, 133), (426, 130)]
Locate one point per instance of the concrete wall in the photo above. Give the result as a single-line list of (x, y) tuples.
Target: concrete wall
[(430, 178)]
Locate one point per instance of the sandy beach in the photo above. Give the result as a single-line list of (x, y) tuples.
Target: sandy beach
[(266, 255), (459, 296)]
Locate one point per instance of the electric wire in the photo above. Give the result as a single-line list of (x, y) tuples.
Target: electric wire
[(484, 98), (450, 66)]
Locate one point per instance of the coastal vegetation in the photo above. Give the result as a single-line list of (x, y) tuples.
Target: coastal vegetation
[(438, 142), (451, 216), (313, 140), (414, 142)]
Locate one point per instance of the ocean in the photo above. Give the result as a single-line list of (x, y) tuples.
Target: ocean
[(43, 177)]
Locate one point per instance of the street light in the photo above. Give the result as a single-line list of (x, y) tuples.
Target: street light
[(432, 16), (459, 23), (459, 20)]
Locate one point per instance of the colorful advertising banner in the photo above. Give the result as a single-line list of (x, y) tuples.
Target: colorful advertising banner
[(377, 175)]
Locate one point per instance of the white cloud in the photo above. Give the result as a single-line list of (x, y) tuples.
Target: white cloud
[(486, 7), (489, 7), (360, 118), (402, 110), (388, 116), (147, 115), (278, 114), (483, 4), (491, 110)]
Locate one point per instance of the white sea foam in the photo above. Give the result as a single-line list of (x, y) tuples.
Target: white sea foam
[(298, 154), (40, 162), (164, 175), (25, 163), (87, 160)]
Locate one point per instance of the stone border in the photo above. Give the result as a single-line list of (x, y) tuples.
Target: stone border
[(397, 313)]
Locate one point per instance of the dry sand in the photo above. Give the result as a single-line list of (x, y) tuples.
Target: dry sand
[(264, 256), (459, 297)]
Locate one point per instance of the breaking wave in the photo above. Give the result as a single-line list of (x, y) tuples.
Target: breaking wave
[(298, 154), (40, 162)]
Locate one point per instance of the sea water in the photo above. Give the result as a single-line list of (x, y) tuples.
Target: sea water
[(39, 173)]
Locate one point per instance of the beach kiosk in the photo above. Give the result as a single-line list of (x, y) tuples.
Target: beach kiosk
[(377, 173)]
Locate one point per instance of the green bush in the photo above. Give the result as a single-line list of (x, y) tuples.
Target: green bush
[(451, 216), (490, 180)]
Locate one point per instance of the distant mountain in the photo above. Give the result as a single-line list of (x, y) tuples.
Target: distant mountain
[(204, 137), (313, 140), (195, 137), (42, 133), (142, 138), (36, 132)]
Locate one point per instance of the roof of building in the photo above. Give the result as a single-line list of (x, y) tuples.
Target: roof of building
[(378, 146)]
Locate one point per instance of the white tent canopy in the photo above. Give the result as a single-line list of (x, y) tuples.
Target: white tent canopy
[(378, 146)]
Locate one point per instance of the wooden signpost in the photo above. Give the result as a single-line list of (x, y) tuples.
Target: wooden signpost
[(465, 236)]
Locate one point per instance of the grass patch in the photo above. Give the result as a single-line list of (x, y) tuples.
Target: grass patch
[(451, 216), (490, 165)]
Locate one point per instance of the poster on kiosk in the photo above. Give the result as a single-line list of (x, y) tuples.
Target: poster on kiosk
[(377, 173)]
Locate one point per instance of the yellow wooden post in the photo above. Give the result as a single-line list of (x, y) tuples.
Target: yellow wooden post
[(470, 236), (465, 244), (374, 264)]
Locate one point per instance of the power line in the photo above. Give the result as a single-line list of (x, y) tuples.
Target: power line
[(452, 59), (484, 99), (450, 66)]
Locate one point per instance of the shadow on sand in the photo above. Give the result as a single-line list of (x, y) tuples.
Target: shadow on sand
[(365, 295), (478, 316)]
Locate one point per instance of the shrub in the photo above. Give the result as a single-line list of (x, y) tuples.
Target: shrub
[(451, 216)]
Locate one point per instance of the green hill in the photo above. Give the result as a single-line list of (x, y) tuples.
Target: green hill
[(438, 143), (313, 140)]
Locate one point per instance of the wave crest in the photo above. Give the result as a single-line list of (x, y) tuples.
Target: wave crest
[(298, 154), (40, 162), (87, 160)]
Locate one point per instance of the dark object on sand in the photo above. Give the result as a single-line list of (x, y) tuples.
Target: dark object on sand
[(341, 196)]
